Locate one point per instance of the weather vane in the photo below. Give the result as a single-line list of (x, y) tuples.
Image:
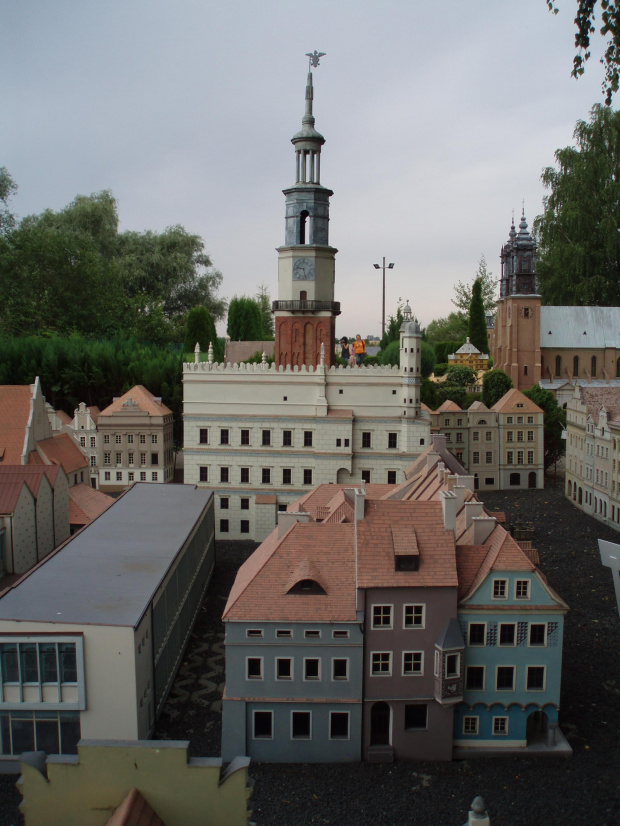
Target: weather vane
[(314, 58)]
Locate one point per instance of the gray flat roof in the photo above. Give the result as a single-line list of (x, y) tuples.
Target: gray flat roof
[(571, 327), (108, 573)]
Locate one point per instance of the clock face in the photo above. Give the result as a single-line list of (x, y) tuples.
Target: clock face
[(303, 269)]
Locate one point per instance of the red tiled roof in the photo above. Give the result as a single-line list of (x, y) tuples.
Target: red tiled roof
[(30, 474), (9, 494), (14, 413), (144, 400), (134, 811), (321, 497), (65, 418), (510, 400), (499, 553), (388, 525), (61, 450), (94, 412), (260, 589), (86, 504)]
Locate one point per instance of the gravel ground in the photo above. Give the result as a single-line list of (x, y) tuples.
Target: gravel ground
[(519, 791)]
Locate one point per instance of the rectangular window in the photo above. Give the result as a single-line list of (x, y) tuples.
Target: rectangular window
[(307, 438), (223, 525), (381, 616), (522, 589), (340, 635), (338, 725), (519, 435), (245, 526), (287, 476), (301, 725), (245, 476), (415, 717), (538, 633), (381, 663), (284, 632), (476, 457), (476, 435), (245, 504), (453, 665), (459, 437), (510, 458), (413, 663), (312, 634), (287, 438), (448, 437), (340, 668), (266, 440), (391, 477), (346, 443), (107, 458), (500, 589), (477, 633), (510, 436), (119, 475), (474, 678), (446, 422), (254, 632), (266, 476), (106, 476), (307, 476), (93, 461), (366, 438), (143, 476), (507, 633), (142, 439), (470, 725), (203, 437), (530, 457), (129, 439), (284, 668), (535, 678), (413, 616), (130, 458), (366, 476), (505, 678), (106, 439), (392, 441), (154, 438), (130, 476), (530, 435), (488, 435), (245, 437), (519, 457), (224, 436), (154, 458), (500, 725), (488, 458), (143, 459), (82, 441), (93, 441), (204, 473), (254, 668), (263, 725), (312, 668), (224, 474)]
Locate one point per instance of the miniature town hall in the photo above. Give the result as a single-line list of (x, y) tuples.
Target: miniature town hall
[(261, 435)]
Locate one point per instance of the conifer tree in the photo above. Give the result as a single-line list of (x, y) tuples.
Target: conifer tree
[(200, 328), (477, 327)]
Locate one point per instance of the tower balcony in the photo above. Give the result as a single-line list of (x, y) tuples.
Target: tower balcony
[(332, 307)]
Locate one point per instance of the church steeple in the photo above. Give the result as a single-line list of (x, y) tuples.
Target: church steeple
[(518, 257), (305, 312)]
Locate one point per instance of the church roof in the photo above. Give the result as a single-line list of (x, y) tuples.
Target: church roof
[(571, 327)]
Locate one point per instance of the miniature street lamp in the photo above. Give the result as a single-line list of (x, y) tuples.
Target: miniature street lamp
[(382, 267)]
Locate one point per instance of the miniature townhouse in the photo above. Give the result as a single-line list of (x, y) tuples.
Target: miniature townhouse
[(91, 639)]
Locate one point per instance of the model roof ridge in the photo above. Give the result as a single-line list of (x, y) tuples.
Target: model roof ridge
[(306, 569), (146, 401), (513, 397)]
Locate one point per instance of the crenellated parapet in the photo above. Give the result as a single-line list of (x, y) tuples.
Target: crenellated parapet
[(342, 370)]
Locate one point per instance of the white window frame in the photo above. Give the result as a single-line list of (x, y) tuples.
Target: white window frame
[(484, 676), (284, 633), (329, 731), (414, 626), (420, 672), (476, 724), (529, 633), (499, 635), (506, 725), (254, 632), (282, 659), (387, 673), (247, 669), (449, 654), (383, 626), (514, 677), (256, 711), (340, 633), (312, 633), (300, 711), (313, 679), (544, 685), (528, 584), (505, 588), (340, 679), (477, 644)]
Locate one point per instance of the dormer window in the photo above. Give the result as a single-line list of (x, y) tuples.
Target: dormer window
[(307, 586), (407, 562)]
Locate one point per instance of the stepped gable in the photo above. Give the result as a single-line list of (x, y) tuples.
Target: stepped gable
[(140, 397), (14, 414), (383, 519), (61, 450), (260, 592)]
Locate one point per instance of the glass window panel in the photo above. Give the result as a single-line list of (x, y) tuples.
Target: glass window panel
[(5, 733), (22, 730), (68, 663), (29, 664), (10, 671), (48, 663), (69, 732), (47, 734)]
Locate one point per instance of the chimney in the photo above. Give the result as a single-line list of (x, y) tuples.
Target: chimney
[(359, 501), (441, 472), (448, 506), (451, 480), (431, 459), (467, 482), (483, 526), (286, 519), (459, 490), (472, 509)]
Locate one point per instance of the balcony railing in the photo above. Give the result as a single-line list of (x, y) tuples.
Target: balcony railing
[(306, 306)]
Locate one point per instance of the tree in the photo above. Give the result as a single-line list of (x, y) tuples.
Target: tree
[(477, 319), (244, 319), (495, 385), (427, 359), (578, 238), (8, 187), (451, 328), (392, 328), (200, 328), (460, 375), (554, 423), (264, 302), (463, 292), (454, 392), (584, 21)]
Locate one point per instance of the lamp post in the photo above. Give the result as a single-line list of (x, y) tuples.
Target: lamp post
[(382, 267)]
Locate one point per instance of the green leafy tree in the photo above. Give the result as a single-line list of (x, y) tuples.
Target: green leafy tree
[(390, 355), (428, 394), (578, 238), (8, 188), (450, 328), (495, 385), (264, 302), (454, 392), (554, 423), (610, 28), (427, 360), (200, 328), (463, 292), (460, 375), (244, 319), (477, 319), (392, 328), (443, 349)]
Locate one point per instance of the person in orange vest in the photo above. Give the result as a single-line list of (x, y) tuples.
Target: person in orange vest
[(359, 349)]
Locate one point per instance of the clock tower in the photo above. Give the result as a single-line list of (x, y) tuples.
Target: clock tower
[(305, 312)]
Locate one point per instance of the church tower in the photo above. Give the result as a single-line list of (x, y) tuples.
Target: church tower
[(517, 322), (305, 312)]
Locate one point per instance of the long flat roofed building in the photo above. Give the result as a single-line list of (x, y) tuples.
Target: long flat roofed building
[(90, 639)]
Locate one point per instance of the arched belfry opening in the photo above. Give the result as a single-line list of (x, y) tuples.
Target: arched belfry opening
[(304, 227)]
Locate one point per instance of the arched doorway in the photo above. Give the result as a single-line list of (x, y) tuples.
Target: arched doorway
[(580, 497), (531, 479), (380, 724)]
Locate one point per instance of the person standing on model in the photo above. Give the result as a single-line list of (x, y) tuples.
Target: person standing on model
[(359, 349), (345, 350)]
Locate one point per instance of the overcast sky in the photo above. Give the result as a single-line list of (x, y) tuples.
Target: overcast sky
[(438, 117)]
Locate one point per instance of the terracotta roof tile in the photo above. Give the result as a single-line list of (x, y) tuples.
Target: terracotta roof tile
[(86, 503), (65, 418), (62, 450), (14, 414), (9, 494), (143, 399), (509, 402), (134, 811), (30, 474)]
